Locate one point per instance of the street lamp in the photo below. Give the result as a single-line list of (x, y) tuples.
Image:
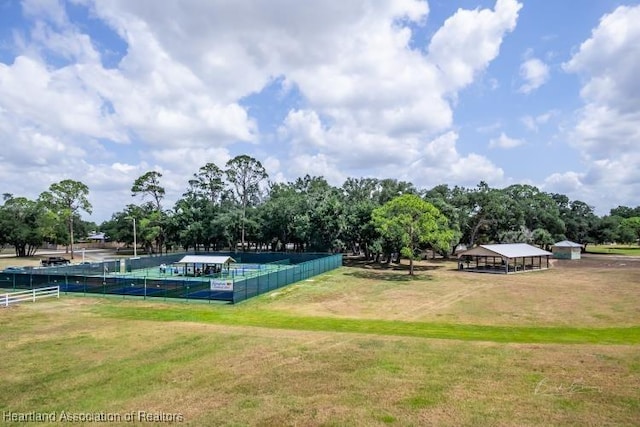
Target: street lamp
[(135, 242)]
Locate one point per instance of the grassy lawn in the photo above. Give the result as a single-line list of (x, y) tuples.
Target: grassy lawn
[(356, 346), (628, 250)]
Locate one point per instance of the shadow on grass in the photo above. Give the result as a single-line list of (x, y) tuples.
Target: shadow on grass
[(359, 262), (393, 276)]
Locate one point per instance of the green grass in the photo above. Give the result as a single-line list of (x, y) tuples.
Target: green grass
[(93, 355), (352, 347), (628, 250), (276, 319)]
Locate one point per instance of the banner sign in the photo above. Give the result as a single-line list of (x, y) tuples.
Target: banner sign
[(221, 285)]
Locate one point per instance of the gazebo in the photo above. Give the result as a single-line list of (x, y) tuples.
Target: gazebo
[(204, 264), (566, 250), (503, 258)]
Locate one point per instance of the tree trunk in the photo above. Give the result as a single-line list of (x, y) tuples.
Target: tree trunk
[(472, 238), (410, 266)]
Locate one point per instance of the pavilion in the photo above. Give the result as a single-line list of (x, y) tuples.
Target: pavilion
[(504, 258), (204, 264)]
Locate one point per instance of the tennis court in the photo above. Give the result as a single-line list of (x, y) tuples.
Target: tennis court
[(213, 277), (199, 272)]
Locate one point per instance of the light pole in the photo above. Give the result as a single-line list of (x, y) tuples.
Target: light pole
[(135, 241)]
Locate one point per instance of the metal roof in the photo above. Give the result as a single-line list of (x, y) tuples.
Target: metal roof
[(507, 250), (205, 259), (567, 244)]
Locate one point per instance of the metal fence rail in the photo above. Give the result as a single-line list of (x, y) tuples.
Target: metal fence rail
[(29, 295)]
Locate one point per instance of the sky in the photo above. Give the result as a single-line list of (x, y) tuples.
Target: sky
[(433, 92)]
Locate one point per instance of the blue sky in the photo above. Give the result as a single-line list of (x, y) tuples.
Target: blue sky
[(505, 91)]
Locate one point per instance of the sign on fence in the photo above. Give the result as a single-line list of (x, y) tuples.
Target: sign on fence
[(221, 285)]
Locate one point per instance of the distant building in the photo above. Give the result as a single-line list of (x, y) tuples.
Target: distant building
[(96, 237), (566, 250)]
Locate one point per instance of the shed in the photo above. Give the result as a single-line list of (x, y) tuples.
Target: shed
[(566, 250), (504, 258), (204, 264)]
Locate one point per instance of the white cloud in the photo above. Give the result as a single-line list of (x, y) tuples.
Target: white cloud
[(608, 63), (489, 127), (503, 141), (469, 40), (533, 123), (441, 162), (51, 10), (606, 133), (535, 73), (371, 103)]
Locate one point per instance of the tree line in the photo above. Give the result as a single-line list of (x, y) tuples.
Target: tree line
[(237, 207)]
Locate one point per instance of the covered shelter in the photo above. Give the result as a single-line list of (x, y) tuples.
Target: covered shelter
[(567, 250), (207, 265), (503, 258)]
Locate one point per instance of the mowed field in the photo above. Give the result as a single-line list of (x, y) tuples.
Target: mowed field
[(360, 345)]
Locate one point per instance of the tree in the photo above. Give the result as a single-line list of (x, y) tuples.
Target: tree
[(279, 213), (492, 213), (149, 185), (632, 224), (412, 221), (151, 226), (538, 209), (245, 174), (608, 229), (581, 222), (67, 198), (454, 204), (207, 183), (21, 225), (360, 198), (625, 211), (542, 238)]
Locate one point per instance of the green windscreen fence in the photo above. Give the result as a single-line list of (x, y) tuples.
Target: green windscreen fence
[(252, 274), (244, 288)]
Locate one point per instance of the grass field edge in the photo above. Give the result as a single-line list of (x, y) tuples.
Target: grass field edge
[(276, 320)]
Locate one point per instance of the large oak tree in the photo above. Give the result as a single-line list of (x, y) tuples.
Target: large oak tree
[(412, 222)]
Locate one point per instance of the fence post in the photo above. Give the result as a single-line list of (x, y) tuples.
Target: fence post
[(58, 292), (33, 295), (6, 300)]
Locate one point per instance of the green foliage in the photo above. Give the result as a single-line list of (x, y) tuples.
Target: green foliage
[(632, 226), (207, 183), (24, 224), (409, 222), (222, 207), (542, 238), (149, 185), (66, 198), (245, 174)]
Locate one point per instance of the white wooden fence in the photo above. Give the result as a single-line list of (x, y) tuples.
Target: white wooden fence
[(29, 295)]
